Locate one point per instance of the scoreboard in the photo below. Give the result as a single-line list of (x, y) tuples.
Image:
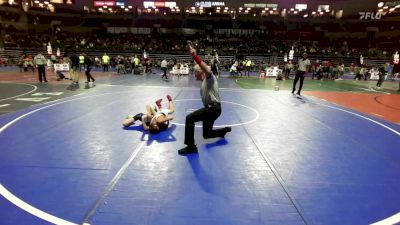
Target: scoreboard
[(109, 3), (63, 1)]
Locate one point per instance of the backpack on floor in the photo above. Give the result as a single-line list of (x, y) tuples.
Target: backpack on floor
[(59, 75), (136, 71)]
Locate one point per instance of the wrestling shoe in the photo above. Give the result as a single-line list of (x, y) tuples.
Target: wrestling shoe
[(188, 150), (169, 97), (126, 123), (158, 103), (227, 130)]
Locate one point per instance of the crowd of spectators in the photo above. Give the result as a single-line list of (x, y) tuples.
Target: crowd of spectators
[(248, 44), (262, 36)]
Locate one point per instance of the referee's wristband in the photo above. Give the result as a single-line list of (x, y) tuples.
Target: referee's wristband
[(197, 59)]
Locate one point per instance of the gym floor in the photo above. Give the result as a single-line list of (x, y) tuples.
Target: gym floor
[(328, 157)]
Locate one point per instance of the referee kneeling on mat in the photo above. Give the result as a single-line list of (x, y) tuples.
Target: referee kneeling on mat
[(212, 106)]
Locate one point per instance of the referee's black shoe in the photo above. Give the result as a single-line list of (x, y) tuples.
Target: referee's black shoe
[(227, 130), (188, 150)]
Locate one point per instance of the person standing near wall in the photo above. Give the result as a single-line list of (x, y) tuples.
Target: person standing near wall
[(164, 67), (74, 68), (40, 62), (81, 61), (247, 67), (88, 64), (382, 74), (396, 72), (106, 62), (303, 66), (288, 69)]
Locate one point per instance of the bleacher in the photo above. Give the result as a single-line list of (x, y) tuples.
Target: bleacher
[(14, 54)]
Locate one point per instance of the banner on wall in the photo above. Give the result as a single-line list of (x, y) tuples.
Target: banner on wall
[(63, 1), (103, 3), (120, 3), (180, 69), (120, 30), (271, 72), (62, 67), (207, 4)]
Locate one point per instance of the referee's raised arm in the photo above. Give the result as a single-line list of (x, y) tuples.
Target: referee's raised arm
[(204, 67)]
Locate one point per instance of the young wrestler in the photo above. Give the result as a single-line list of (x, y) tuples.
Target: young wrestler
[(160, 118), (155, 119)]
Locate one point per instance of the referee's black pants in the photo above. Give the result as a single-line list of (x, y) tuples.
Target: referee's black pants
[(88, 75), (208, 115), (42, 73), (299, 75), (105, 67), (381, 79), (164, 72)]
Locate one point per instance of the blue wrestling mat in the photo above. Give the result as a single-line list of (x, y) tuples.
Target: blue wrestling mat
[(286, 161)]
